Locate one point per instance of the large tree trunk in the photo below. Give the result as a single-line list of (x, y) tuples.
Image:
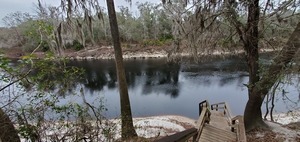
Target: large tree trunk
[(251, 43), (253, 115), (251, 48), (8, 133), (126, 117)]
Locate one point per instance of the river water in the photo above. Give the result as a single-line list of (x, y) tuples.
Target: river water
[(157, 87), (160, 88)]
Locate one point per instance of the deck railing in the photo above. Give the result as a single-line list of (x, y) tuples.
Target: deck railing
[(181, 136), (236, 123), (204, 117), (204, 112), (238, 127), (223, 106)]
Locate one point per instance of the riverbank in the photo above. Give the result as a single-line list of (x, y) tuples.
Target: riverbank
[(135, 52), (147, 128), (107, 52), (154, 127), (285, 128)]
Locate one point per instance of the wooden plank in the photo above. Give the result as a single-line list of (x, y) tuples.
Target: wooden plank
[(219, 121), (179, 137), (219, 135), (219, 132), (216, 136), (215, 129)]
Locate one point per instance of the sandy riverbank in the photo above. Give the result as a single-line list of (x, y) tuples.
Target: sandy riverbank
[(144, 53), (107, 52), (155, 127)]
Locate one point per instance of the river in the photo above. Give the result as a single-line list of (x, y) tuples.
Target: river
[(160, 88), (157, 87)]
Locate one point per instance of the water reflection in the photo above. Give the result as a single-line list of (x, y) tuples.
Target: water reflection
[(157, 87), (155, 76)]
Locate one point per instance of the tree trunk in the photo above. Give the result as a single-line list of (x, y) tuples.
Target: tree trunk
[(8, 133), (252, 114), (126, 117), (251, 43)]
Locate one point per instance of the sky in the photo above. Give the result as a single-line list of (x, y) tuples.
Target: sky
[(10, 6)]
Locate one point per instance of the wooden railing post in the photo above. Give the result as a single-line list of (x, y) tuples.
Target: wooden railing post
[(232, 125), (239, 128), (195, 138), (200, 108), (202, 105)]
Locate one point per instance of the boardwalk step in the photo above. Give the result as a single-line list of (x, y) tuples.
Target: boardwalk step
[(213, 134), (215, 129)]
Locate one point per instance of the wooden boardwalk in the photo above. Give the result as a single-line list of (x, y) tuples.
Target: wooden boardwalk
[(217, 130), (215, 124)]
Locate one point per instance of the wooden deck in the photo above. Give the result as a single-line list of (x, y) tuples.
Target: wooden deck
[(218, 129), (215, 124)]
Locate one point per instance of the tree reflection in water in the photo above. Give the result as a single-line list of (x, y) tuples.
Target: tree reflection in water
[(157, 87), (160, 77)]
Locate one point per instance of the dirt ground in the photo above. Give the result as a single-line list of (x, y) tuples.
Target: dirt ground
[(277, 133)]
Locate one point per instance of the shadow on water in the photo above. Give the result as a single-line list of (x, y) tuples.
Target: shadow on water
[(154, 75), (158, 74), (157, 87)]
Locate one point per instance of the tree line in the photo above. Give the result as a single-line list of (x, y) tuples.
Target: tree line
[(177, 25)]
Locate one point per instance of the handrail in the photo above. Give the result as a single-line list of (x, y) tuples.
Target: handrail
[(202, 105), (204, 117), (238, 126), (181, 136), (225, 107), (204, 113)]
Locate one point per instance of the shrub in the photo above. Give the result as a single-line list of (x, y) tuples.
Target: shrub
[(76, 45), (44, 46)]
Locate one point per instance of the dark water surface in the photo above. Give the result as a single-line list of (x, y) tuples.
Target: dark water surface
[(160, 88)]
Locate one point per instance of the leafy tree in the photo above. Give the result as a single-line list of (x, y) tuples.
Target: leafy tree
[(247, 29), (259, 86)]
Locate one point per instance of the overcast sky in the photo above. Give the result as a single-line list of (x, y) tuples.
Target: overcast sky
[(10, 6)]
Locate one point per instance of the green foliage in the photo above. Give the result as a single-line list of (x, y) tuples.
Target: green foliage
[(34, 31), (4, 64), (49, 80), (165, 37), (28, 132), (45, 46), (76, 45), (52, 74), (150, 42)]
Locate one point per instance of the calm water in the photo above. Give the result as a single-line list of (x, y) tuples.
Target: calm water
[(160, 88)]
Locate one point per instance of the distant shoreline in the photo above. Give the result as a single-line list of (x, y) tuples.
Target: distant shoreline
[(107, 52), (84, 55)]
